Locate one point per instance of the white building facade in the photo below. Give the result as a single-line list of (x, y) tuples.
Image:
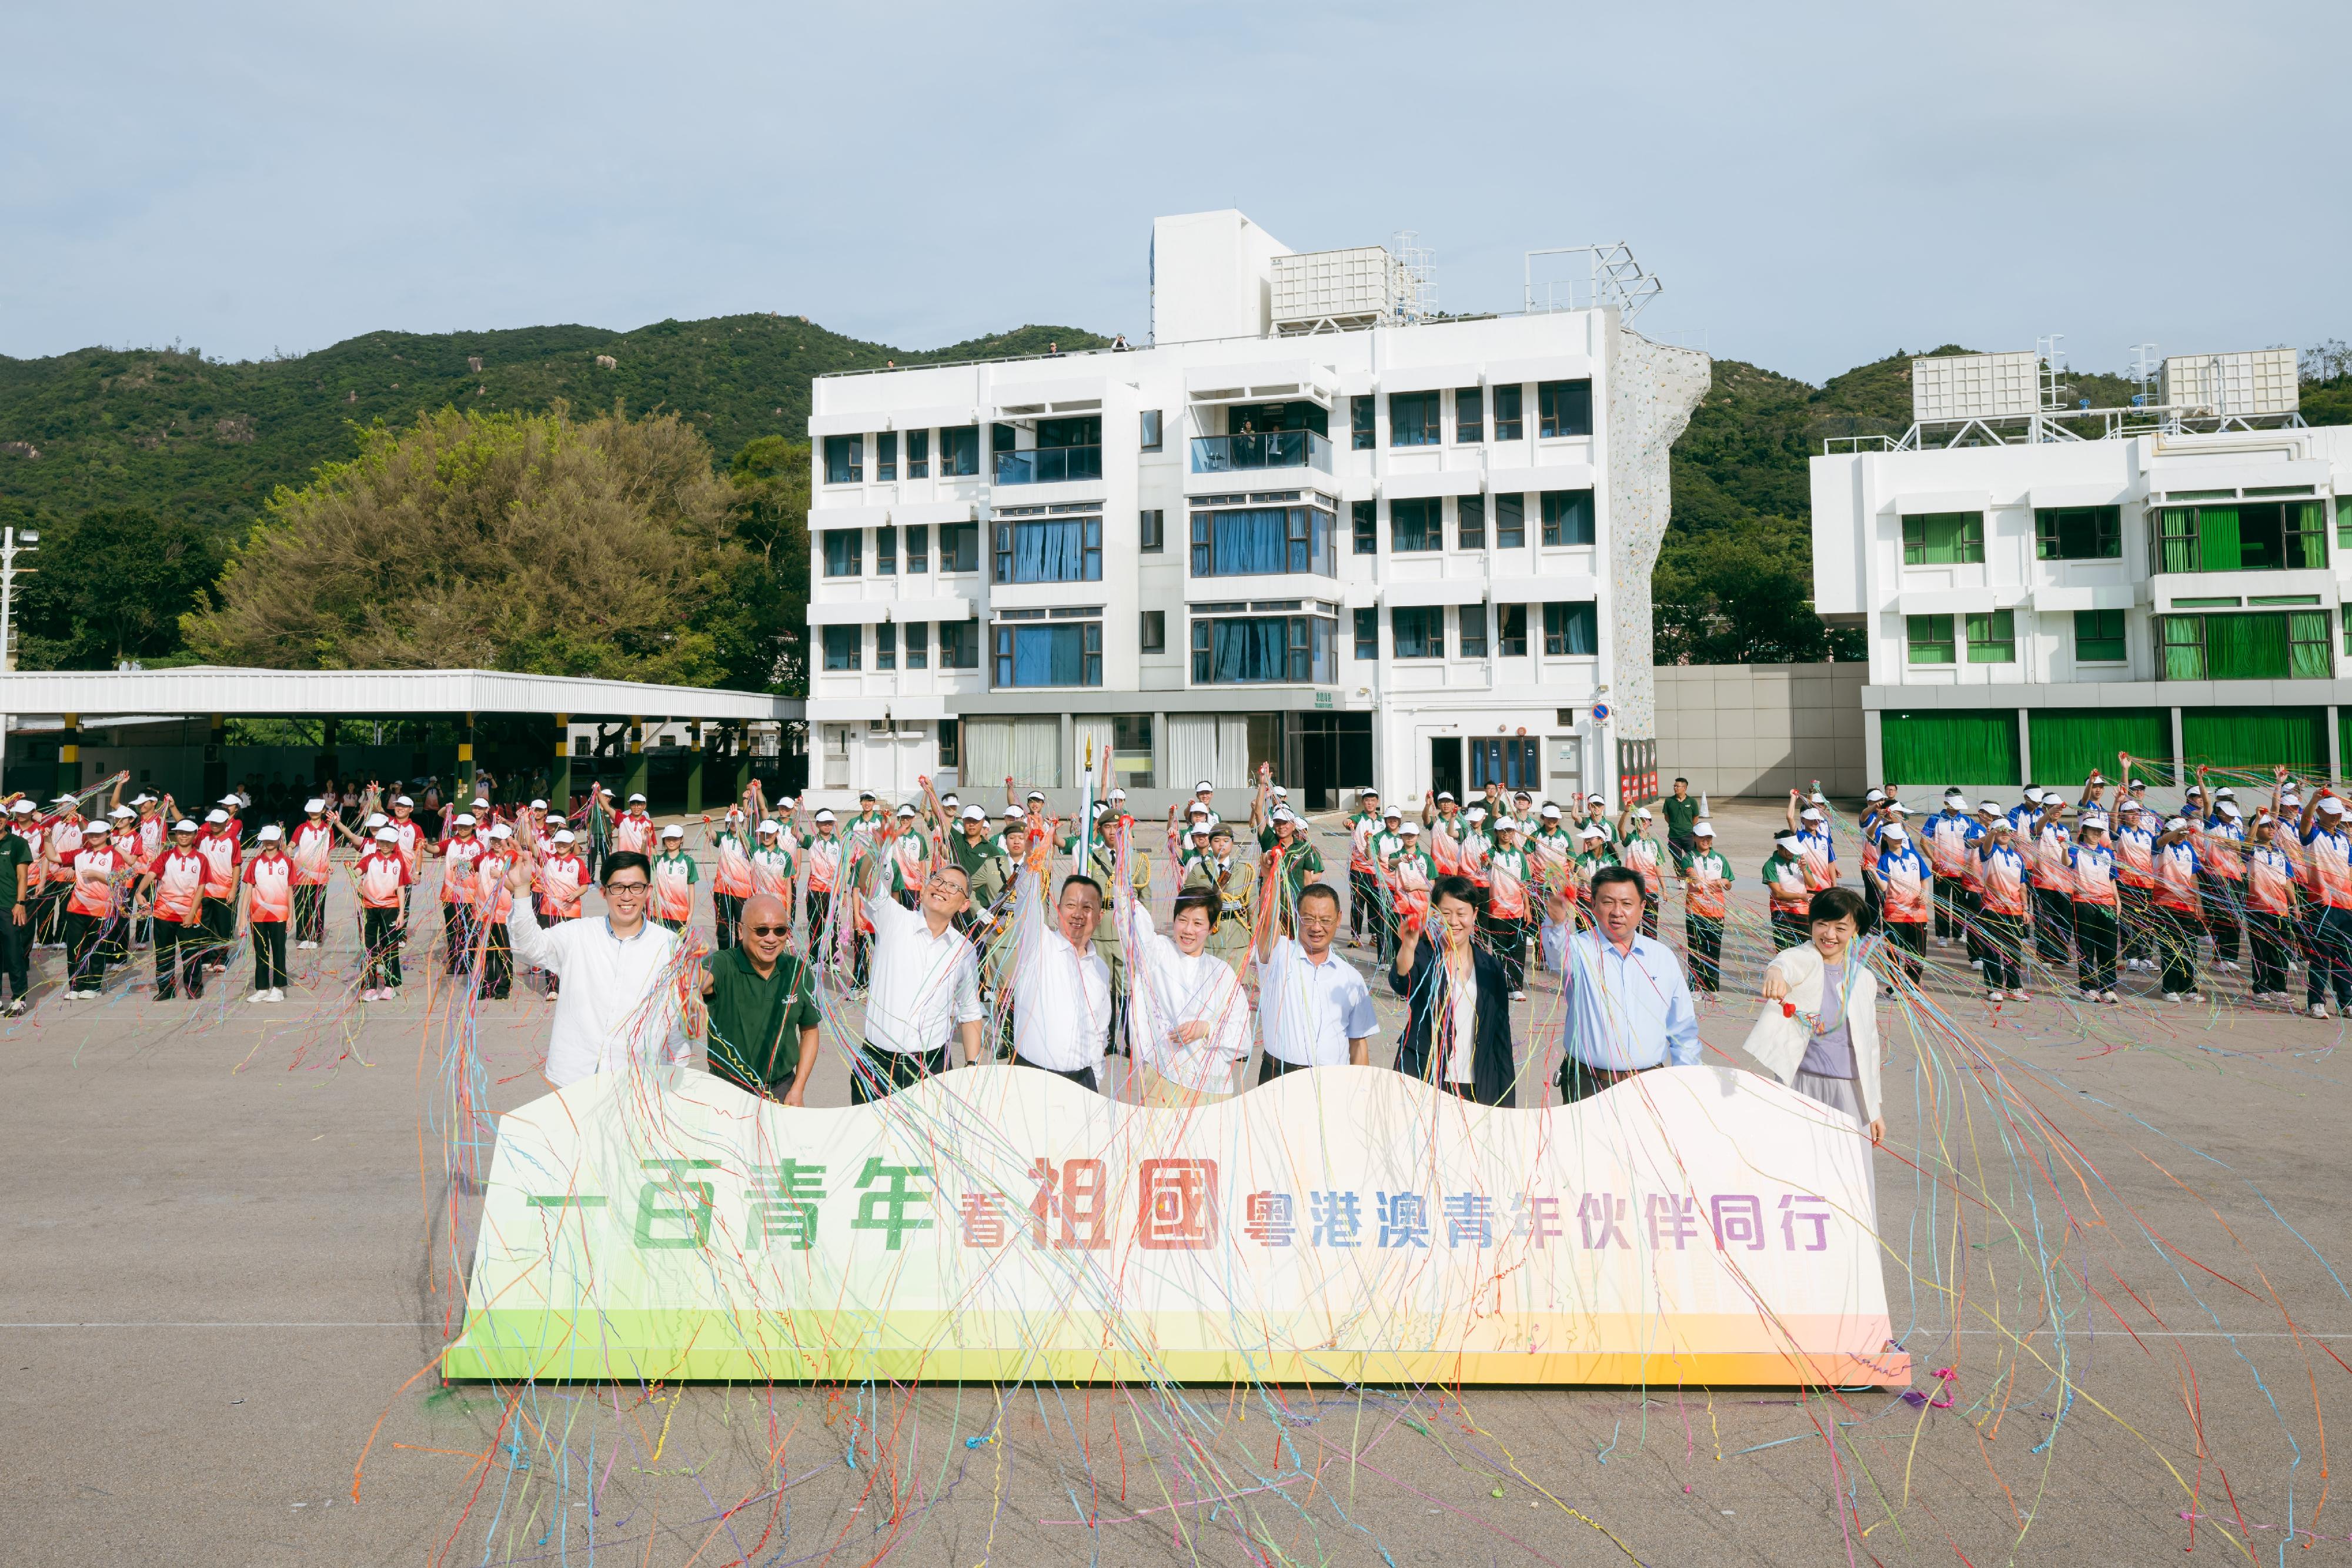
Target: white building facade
[(1365, 549), (2169, 582)]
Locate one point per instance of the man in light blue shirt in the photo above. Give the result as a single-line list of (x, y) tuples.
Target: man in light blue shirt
[(1629, 1003)]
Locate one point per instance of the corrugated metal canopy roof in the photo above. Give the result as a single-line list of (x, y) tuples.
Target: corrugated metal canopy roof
[(212, 689)]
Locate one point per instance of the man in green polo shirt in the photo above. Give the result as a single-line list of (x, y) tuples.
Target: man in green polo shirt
[(1682, 816), (15, 927), (762, 1033)]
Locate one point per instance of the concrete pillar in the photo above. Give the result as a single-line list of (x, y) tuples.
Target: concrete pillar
[(559, 776), (2335, 747), (633, 782), (464, 779), (2179, 763), (69, 756), (217, 762), (694, 768), (2026, 747)]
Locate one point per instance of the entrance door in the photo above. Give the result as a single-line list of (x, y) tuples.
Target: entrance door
[(1445, 765)]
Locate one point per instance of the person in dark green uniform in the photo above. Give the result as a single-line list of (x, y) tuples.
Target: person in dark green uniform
[(1681, 812), (15, 925), (761, 1028)]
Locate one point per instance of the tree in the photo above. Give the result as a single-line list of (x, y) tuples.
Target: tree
[(768, 519), (501, 542), (1741, 595), (109, 587)]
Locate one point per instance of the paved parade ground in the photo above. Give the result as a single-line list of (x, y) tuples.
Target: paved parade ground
[(229, 1279)]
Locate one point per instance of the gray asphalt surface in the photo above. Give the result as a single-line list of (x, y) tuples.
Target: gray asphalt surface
[(229, 1273)]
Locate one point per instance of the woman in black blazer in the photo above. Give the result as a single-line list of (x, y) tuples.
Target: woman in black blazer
[(1428, 974)]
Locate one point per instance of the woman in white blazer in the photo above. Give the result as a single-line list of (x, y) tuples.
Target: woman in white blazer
[(1822, 1039)]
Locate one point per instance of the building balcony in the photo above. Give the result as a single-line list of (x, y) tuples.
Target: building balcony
[(1048, 464), (1262, 449)]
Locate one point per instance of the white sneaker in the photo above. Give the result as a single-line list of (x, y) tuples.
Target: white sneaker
[(257, 999), (2111, 998), (2192, 995), (2319, 1009), (1992, 996), (1518, 996), (2172, 996), (2019, 997), (2088, 994)]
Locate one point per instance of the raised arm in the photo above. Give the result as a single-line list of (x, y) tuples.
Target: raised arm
[(1794, 797), (1268, 928)]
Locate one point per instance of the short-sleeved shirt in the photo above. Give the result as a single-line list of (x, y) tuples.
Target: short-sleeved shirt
[(1308, 1012), (755, 1024), (1681, 816), (14, 852)]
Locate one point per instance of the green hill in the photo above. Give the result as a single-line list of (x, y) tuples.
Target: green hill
[(206, 440)]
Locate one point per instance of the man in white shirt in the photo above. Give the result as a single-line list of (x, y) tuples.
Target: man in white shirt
[(1061, 989), (616, 1006), (1314, 1008), (923, 981), (1188, 1021)]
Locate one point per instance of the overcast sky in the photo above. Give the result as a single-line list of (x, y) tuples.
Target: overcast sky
[(1816, 186)]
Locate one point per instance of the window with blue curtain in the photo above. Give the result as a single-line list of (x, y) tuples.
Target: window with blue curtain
[(1417, 632), (842, 551), (845, 459), (1510, 522), (1263, 539), (1049, 549), (1571, 629), (1063, 656), (842, 646), (1252, 650), (1566, 517), (1416, 524), (1414, 418)]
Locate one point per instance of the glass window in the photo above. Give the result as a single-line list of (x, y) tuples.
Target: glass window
[(1992, 637), (2099, 636), (1568, 515), (1049, 549), (1512, 761), (950, 743), (1001, 438), (1131, 750), (843, 647), (1944, 538), (1506, 413), (886, 646), (918, 454), (960, 644), (960, 452), (919, 546), (844, 458), (1564, 408), (1416, 524), (1068, 655), (1153, 534), (1155, 630), (1473, 625), (885, 552), (1929, 639), (2078, 533), (958, 547), (2344, 522), (2290, 646), (1511, 521), (1151, 434), (842, 548), (885, 456), (1262, 539), (1414, 418), (1368, 633), (1418, 632), (1469, 415), (1470, 516), (1247, 650), (1511, 631), (2262, 536), (919, 645), (1366, 516), (1359, 423), (1573, 629)]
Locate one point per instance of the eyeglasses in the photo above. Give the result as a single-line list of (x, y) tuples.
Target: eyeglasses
[(768, 930), (629, 887)]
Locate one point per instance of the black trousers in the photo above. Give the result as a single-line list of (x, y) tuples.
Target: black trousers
[(2054, 924), (268, 955), (310, 914), (730, 911), (498, 960), (458, 930), (2096, 946), (1951, 914), (220, 925), (2001, 940), (1270, 1068), (381, 935), (1363, 901), (2178, 936), (820, 908), (1506, 938), (1578, 1082), (180, 953), (2271, 938), (17, 953), (884, 1072), (1650, 915), (2139, 927), (1704, 933), (1909, 937), (1084, 1077), (1790, 930), (86, 951), (2223, 899), (2330, 960)]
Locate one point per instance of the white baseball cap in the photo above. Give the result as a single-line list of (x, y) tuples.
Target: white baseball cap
[(1875, 795), (538, 805), (1589, 832), (673, 831), (1285, 814), (1015, 814), (403, 800), (102, 826), (906, 810), (122, 812), (1037, 795), (1280, 791), (1643, 812), (1703, 827), (826, 816), (1200, 830), (268, 833), (1445, 794), (2331, 805), (1552, 811), (970, 814), (2094, 823), (386, 836), (230, 801), (636, 799), (1957, 802), (1990, 810), (1115, 795), (1785, 840), (1898, 808), (1812, 814), (563, 836), (1204, 785), (1196, 810), (501, 831), (483, 802), (1477, 813), (183, 826), (463, 820), (215, 815), (771, 826), (25, 808), (377, 820), (314, 804), (2229, 808), (1894, 830), (1411, 830)]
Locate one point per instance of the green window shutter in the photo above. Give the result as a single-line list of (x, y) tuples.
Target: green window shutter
[(2344, 522), (1943, 539), (1992, 638), (1914, 541), (2176, 536), (2182, 638), (1930, 639), (2246, 647), (2098, 637), (2307, 535), (2218, 540), (2255, 737), (2070, 742), (2308, 654), (1966, 746)]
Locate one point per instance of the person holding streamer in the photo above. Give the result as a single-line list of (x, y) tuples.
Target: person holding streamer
[(923, 977), (1457, 1034), (1629, 1004)]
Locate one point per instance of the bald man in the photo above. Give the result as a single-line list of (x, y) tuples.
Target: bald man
[(762, 1007)]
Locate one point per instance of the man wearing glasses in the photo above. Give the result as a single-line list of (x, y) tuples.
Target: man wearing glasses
[(762, 1007), (924, 979), (613, 1003)]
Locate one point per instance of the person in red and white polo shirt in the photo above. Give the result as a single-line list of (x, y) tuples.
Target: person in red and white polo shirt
[(269, 879), (216, 841), (633, 829), (175, 886), (557, 880), (459, 855), (730, 876), (492, 905), (383, 878), (311, 848), (93, 904)]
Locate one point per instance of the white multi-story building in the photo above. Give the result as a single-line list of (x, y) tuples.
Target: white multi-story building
[(2045, 588), (1303, 527)]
